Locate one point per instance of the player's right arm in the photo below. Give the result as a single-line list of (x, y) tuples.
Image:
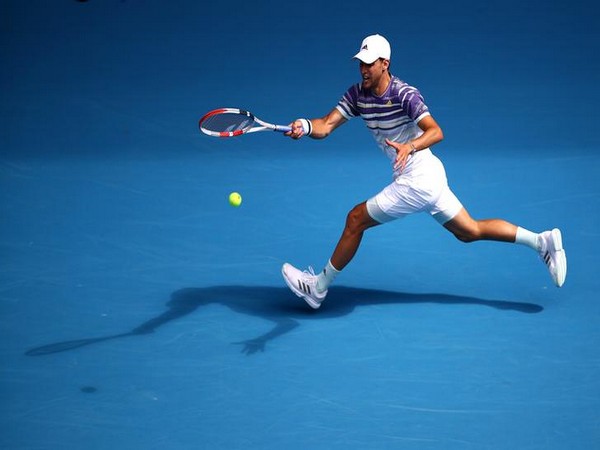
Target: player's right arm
[(320, 128)]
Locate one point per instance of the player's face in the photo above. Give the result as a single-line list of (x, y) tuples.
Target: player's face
[(372, 73)]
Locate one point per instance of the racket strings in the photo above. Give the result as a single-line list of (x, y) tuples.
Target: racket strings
[(228, 122)]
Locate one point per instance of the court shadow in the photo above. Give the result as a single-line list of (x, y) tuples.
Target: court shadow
[(281, 307)]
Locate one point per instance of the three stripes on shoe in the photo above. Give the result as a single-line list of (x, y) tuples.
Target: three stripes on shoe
[(547, 258), (304, 287)]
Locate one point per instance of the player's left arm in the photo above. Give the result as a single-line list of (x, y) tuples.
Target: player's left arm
[(432, 134)]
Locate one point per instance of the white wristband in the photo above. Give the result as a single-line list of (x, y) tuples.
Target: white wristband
[(306, 126)]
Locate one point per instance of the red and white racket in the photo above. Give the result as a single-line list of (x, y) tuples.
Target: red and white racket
[(228, 122)]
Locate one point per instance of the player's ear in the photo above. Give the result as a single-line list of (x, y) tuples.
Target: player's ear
[(385, 64)]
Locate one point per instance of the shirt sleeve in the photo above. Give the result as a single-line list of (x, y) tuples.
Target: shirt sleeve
[(413, 103), (347, 105)]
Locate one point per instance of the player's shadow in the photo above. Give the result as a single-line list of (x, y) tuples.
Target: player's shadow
[(282, 308)]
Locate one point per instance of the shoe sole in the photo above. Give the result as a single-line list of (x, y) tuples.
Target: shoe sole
[(561, 258), (298, 292)]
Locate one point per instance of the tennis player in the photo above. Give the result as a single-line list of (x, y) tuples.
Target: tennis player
[(405, 130)]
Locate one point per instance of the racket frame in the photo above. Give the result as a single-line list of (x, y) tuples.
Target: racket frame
[(263, 126)]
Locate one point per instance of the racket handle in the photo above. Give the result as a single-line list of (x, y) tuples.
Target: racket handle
[(306, 127), (282, 128)]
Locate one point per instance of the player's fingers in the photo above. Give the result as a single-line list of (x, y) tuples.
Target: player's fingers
[(391, 144), (297, 130), (400, 161)]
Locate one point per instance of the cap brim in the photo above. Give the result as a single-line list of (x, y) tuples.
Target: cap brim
[(366, 57)]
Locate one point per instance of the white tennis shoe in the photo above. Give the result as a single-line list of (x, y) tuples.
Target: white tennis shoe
[(303, 284), (554, 255)]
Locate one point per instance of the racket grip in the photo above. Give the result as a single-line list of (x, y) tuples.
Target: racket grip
[(306, 127)]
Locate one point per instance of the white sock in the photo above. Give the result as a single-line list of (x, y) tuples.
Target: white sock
[(528, 238), (326, 277)]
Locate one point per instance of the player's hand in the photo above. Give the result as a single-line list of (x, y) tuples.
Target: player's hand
[(403, 151), (297, 130)]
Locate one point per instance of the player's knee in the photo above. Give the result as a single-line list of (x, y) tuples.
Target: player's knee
[(466, 235), (464, 238), (355, 220)]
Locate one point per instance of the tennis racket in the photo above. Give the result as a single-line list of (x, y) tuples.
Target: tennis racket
[(229, 122)]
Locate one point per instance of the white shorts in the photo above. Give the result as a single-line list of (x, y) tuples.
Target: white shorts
[(424, 189)]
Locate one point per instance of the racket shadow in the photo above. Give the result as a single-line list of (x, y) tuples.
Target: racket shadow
[(282, 308)]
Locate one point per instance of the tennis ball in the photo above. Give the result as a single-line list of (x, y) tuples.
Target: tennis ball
[(235, 199)]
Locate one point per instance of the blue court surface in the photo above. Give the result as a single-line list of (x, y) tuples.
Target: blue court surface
[(140, 311)]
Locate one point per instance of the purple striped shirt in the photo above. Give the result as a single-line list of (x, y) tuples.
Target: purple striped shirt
[(394, 115)]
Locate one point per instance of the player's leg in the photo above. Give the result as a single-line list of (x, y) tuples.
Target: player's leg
[(548, 244), (357, 222), (467, 229), (312, 287), (397, 200)]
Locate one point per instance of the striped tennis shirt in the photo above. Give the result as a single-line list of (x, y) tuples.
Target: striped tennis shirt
[(393, 115)]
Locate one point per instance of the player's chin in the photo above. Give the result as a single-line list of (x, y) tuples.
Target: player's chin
[(366, 84)]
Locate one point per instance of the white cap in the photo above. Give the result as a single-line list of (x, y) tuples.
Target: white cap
[(372, 48)]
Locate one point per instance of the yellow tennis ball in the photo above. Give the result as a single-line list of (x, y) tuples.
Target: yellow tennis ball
[(235, 199)]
